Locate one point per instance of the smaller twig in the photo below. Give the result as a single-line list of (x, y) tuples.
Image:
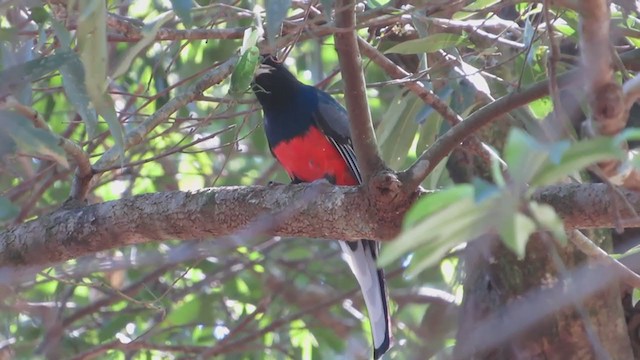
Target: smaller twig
[(166, 153), (592, 250), (481, 28), (136, 135), (132, 30), (143, 345)]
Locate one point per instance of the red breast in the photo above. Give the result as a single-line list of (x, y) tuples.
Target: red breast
[(312, 156)]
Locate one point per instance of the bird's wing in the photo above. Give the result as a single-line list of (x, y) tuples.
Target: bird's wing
[(333, 121)]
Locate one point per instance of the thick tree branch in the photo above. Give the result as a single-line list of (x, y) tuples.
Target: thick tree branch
[(608, 101), (631, 91), (362, 133), (605, 95), (299, 211), (608, 113), (310, 210)]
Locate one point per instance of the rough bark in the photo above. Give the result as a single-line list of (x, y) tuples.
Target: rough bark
[(539, 307), (313, 210)]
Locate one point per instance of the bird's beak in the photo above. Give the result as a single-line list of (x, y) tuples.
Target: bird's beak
[(264, 69)]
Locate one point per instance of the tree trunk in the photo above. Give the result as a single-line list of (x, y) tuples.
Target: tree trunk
[(591, 327)]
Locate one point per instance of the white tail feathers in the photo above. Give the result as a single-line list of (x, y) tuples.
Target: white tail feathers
[(361, 257)]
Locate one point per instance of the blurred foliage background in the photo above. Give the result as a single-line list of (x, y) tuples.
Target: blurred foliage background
[(275, 298)]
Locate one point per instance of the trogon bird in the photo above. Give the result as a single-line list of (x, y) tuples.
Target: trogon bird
[(308, 133)]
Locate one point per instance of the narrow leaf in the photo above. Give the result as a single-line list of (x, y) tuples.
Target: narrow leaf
[(32, 70), (276, 13), (182, 8), (547, 217), (437, 226), (580, 155), (30, 140), (429, 44), (451, 230), (515, 233), (63, 35), (106, 108), (92, 42), (73, 82), (149, 32), (184, 312), (429, 204), (524, 155)]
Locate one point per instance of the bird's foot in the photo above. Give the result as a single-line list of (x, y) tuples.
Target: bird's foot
[(322, 184)]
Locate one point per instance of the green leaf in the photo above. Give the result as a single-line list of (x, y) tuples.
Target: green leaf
[(429, 44), (403, 135), (429, 204), (391, 117), (377, 3), (484, 190), (580, 155), (182, 8), (529, 40), (149, 32), (183, 313), (456, 223), (63, 35), (92, 42), (547, 217), (565, 29), (515, 233), (635, 296), (398, 131), (479, 5), (628, 134), (244, 71), (7, 209), (541, 108), (447, 229), (109, 330), (302, 338), (106, 108), (524, 155), (73, 82), (30, 140), (38, 14), (31, 71), (276, 13)]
